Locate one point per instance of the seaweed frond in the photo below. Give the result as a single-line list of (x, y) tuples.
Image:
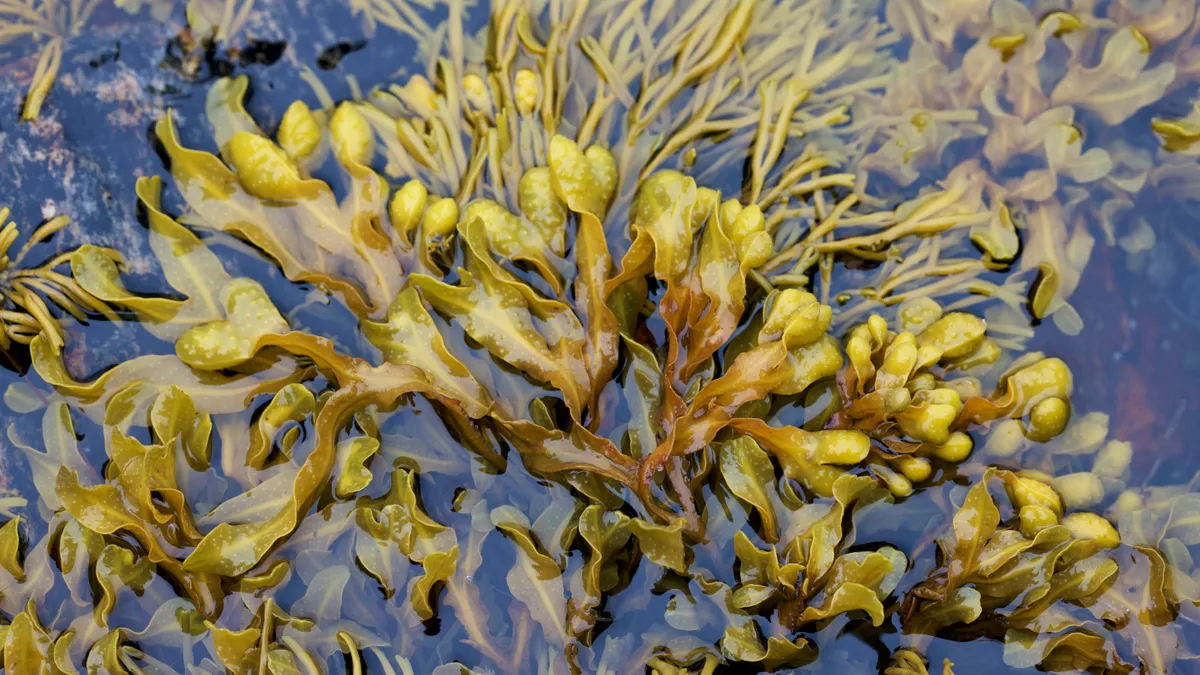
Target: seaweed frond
[(218, 20), (50, 25)]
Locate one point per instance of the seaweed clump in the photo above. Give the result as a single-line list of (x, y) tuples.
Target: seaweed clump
[(28, 293), (523, 283), (1045, 106)]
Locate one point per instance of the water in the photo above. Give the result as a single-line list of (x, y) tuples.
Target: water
[(1136, 361)]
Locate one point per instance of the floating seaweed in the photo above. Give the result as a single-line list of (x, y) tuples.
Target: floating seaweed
[(1044, 109), (543, 325), (29, 293), (1055, 584)]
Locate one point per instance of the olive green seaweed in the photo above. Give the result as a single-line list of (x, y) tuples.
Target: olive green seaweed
[(617, 386)]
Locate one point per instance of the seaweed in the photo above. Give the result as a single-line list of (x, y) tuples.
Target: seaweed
[(50, 24), (529, 260), (28, 292)]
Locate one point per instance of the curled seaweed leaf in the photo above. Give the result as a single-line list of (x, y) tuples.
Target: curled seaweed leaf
[(1137, 601), (293, 403), (529, 247), (662, 544), (1120, 84), (231, 341), (27, 642), (974, 523), (409, 337), (353, 474), (176, 422), (1071, 649), (439, 567), (10, 543), (605, 532), (748, 472), (117, 566), (853, 588)]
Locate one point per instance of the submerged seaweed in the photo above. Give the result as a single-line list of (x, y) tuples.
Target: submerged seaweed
[(539, 323), (27, 293), (49, 23)]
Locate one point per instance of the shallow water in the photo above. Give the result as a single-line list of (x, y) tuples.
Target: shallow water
[(1137, 360)]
